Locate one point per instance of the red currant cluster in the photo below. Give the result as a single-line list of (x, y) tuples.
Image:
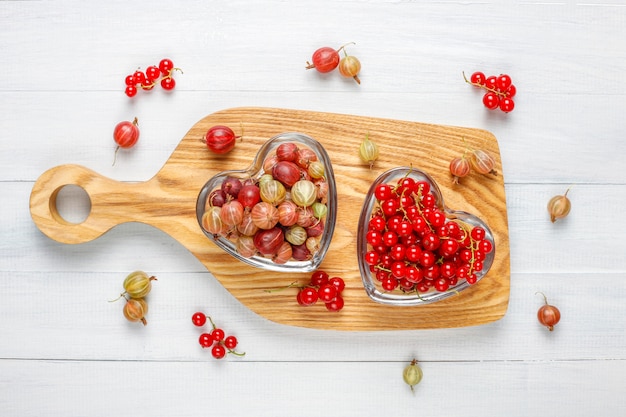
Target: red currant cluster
[(500, 90), (322, 287), (216, 339), (414, 247), (154, 74)]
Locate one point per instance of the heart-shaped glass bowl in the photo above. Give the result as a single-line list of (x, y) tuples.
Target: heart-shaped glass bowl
[(255, 171), (398, 297)]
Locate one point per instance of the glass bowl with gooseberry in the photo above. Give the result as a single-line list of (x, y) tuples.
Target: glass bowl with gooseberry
[(414, 250), (279, 213)]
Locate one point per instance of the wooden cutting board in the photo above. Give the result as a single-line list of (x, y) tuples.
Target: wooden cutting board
[(168, 202)]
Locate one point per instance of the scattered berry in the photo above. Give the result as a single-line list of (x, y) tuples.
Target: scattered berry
[(198, 319), (559, 206), (499, 90), (161, 74), (137, 285), (412, 374), (216, 339), (126, 135), (349, 66), (220, 139), (326, 59), (320, 287), (548, 315)]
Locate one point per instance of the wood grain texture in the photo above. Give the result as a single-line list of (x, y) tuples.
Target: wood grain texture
[(167, 202)]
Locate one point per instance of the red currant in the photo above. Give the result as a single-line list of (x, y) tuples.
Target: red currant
[(374, 237), (377, 223), (383, 192), (372, 257), (485, 245), (413, 253), (206, 340), (478, 233), (478, 78), (153, 73), (130, 80), (198, 319), (390, 206), (147, 84), (414, 274), (491, 100), (511, 91), (327, 292), (217, 334), (431, 242), (336, 304), (448, 248), (490, 82), (507, 104), (503, 82), (308, 296), (338, 282), (389, 284), (319, 278), (441, 284), (139, 77), (218, 351), (230, 342), (131, 91), (422, 188), (166, 66), (168, 83), (398, 269)]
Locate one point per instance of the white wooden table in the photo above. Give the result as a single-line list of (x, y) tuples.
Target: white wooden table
[(66, 351)]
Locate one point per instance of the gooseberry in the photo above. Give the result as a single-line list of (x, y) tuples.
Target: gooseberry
[(303, 193), (412, 374), (126, 135), (548, 315), (136, 309), (459, 168), (349, 66), (220, 139), (559, 206), (368, 151)]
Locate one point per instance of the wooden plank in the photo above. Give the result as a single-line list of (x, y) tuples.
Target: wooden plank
[(167, 201)]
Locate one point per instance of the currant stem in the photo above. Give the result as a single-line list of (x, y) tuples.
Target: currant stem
[(292, 285), (240, 354), (212, 323), (493, 90)]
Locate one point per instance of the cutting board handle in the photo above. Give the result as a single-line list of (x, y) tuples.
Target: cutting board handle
[(112, 203)]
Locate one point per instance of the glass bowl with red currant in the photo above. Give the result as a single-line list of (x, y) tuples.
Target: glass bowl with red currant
[(278, 214), (411, 248)]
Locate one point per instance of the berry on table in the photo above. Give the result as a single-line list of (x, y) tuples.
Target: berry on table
[(125, 135), (216, 338), (153, 75), (500, 90), (321, 287)]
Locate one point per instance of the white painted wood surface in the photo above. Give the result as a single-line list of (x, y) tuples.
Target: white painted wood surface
[(66, 351)]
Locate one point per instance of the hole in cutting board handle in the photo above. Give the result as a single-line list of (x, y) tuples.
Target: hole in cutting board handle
[(70, 204)]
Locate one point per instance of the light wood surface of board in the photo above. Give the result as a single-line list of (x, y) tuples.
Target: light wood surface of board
[(65, 350), (168, 202)]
